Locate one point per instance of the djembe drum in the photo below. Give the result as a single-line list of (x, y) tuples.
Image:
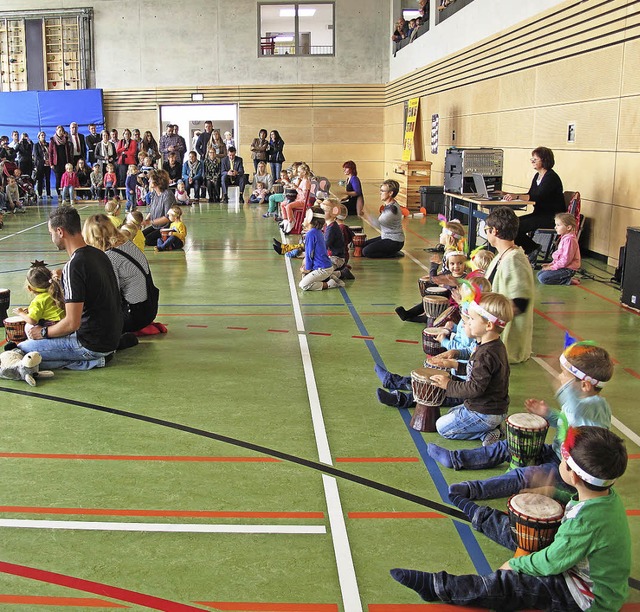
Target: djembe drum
[(14, 329), (430, 345), (534, 519), (424, 282), (446, 315), (434, 305), (428, 399), (525, 438), (441, 291), (358, 243), (165, 232), (5, 300)]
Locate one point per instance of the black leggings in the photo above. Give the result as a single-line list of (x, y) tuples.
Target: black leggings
[(530, 223), (378, 248)]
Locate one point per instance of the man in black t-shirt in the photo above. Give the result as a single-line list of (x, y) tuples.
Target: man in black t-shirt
[(92, 326)]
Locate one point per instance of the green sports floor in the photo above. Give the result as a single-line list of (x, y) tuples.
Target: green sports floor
[(241, 461)]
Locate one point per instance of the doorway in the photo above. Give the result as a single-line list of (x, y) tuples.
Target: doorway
[(190, 119)]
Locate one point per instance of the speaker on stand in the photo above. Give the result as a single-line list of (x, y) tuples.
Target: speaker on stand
[(630, 284)]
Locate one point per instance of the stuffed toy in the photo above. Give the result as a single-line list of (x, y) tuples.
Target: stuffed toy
[(15, 365)]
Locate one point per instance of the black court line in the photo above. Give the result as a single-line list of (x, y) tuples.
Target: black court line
[(314, 465)]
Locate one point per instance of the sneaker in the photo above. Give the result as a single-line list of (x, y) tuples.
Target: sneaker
[(334, 283), (241, 200), (533, 256), (492, 437), (156, 249), (266, 215)]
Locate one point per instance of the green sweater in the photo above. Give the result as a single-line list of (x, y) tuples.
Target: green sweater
[(592, 549)]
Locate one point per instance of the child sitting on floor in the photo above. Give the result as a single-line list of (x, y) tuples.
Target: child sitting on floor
[(135, 219), (587, 565), (112, 210), (259, 194), (178, 229), (181, 195), (585, 368), (334, 240), (566, 258)]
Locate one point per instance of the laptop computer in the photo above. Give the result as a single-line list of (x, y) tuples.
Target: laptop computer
[(481, 188)]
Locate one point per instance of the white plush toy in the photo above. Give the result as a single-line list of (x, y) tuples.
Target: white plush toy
[(15, 365)]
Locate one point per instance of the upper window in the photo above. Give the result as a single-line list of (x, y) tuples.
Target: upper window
[(296, 29)]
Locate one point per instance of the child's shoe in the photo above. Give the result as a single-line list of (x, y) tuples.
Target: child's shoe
[(293, 254)]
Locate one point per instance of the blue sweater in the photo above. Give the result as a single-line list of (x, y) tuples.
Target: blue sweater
[(315, 252)]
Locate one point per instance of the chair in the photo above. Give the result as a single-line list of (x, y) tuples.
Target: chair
[(267, 45), (547, 238), (300, 213)]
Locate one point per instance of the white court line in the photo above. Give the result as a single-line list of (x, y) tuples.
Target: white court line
[(172, 527), (27, 229), (344, 560), (619, 425)]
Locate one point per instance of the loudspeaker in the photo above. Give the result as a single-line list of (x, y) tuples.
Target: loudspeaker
[(631, 271)]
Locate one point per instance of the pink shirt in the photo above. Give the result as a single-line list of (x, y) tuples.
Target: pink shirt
[(568, 253), (69, 179)]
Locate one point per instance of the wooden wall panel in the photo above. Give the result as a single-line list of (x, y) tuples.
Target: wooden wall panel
[(629, 132), (625, 186), (325, 151), (631, 68), (515, 128), (589, 172), (516, 90)]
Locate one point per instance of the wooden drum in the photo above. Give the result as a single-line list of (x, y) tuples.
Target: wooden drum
[(428, 399), (14, 329), (525, 437), (424, 282), (430, 345), (165, 232), (358, 243), (434, 305), (5, 300), (534, 519)]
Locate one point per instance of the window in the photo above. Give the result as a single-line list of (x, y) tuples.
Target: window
[(296, 29)]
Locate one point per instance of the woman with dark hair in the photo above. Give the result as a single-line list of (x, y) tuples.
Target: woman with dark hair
[(162, 199), (149, 145), (43, 166), (127, 155), (60, 154), (391, 239), (547, 193), (354, 200), (259, 149), (274, 153)]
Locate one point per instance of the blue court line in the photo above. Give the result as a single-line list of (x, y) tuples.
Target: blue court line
[(464, 531), (245, 305)]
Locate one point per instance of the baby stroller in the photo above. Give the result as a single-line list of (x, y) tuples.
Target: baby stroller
[(26, 189)]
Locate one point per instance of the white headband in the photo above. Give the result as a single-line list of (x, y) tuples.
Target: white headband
[(598, 482), (454, 253), (452, 233), (485, 314), (579, 373)]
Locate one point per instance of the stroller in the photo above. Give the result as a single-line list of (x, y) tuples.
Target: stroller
[(25, 183)]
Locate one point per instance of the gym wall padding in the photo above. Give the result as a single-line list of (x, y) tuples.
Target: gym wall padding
[(35, 111)]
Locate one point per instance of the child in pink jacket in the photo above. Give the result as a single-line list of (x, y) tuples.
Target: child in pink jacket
[(69, 183), (566, 259)]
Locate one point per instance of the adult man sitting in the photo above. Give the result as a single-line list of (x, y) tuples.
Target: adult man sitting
[(92, 326), (232, 173)]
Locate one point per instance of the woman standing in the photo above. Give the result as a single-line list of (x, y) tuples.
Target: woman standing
[(105, 151), (126, 154), (275, 153), (547, 193), (149, 146), (391, 239), (162, 199), (354, 200), (43, 166), (259, 149), (60, 154), (131, 269)]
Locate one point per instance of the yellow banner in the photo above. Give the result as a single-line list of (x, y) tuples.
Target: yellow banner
[(410, 128)]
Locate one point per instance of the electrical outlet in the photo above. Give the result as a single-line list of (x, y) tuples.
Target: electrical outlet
[(634, 299)]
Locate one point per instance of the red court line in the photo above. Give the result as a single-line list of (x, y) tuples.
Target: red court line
[(632, 372), (363, 337), (148, 513), (98, 588), (251, 606), (420, 236), (634, 456), (204, 326), (554, 322), (395, 515), (606, 299), (279, 331), (81, 602), (318, 334), (240, 328), (633, 512), (377, 460), (139, 458), (409, 341)]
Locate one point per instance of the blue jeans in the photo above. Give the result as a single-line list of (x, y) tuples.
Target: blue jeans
[(65, 352), (132, 201), (276, 169), (460, 423), (562, 276), (68, 193), (172, 243), (514, 481)]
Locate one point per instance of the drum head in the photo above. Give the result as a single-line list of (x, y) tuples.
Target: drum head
[(434, 331), (536, 506), (525, 420), (444, 316), (437, 290), (435, 299), (424, 374), (14, 319)]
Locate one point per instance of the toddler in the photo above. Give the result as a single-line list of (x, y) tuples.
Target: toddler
[(587, 565), (178, 234), (12, 194), (112, 210), (259, 194), (135, 219), (69, 183), (110, 182), (47, 305), (334, 240), (131, 183), (566, 258), (96, 182), (181, 195)]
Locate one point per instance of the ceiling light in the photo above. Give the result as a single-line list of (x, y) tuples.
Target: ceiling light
[(197, 97)]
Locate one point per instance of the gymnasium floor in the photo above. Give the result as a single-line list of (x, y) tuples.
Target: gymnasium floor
[(241, 461)]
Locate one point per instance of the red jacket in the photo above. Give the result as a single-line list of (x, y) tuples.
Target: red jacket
[(127, 154)]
